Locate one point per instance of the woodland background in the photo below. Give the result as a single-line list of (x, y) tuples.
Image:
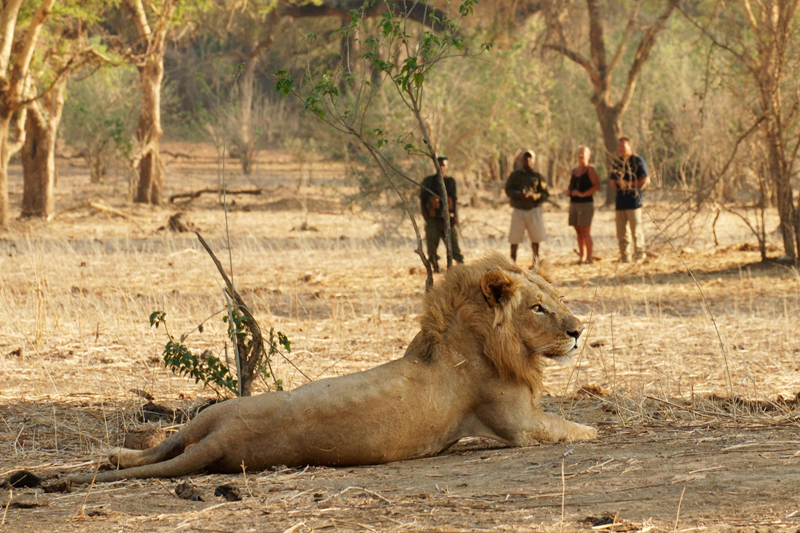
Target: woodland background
[(707, 90)]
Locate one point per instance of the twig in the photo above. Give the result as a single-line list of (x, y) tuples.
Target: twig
[(171, 493), (356, 488), (98, 206), (563, 490), (246, 484), (108, 209), (79, 514), (295, 527), (564, 484), (8, 503), (679, 509)]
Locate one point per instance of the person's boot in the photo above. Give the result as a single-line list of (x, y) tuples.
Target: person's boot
[(435, 265)]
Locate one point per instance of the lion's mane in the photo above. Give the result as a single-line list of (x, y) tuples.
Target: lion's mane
[(459, 298)]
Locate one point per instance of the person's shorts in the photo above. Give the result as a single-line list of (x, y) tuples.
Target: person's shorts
[(530, 220), (581, 214)]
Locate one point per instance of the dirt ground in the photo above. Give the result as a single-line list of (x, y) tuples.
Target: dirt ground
[(674, 453)]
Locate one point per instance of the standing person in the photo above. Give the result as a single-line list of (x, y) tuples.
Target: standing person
[(430, 201), (527, 190), (582, 185), (629, 177)]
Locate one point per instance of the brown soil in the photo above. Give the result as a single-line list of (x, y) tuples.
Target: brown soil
[(81, 366)]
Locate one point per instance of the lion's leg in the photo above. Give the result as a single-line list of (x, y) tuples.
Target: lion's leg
[(167, 449), (561, 429), (194, 459), (549, 427)]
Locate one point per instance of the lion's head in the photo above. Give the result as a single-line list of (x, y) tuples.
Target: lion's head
[(516, 314)]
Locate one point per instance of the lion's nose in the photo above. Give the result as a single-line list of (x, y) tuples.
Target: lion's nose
[(575, 333)]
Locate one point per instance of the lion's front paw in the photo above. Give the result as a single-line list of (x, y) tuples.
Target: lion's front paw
[(581, 432), (114, 456)]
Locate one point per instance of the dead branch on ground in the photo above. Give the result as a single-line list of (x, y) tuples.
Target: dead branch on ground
[(196, 194)]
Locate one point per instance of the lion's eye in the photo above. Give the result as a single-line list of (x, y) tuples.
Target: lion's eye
[(537, 308)]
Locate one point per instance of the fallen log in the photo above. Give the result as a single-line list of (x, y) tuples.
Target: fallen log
[(196, 194)]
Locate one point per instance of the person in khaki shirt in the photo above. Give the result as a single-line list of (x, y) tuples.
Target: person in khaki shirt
[(526, 190)]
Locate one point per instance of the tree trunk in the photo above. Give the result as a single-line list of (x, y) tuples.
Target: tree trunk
[(16, 53), (610, 120), (5, 157), (247, 84), (97, 165), (39, 152), (797, 232), (785, 195), (148, 132)]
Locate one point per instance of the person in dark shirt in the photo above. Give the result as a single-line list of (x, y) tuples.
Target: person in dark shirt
[(430, 201), (629, 176), (526, 189), (583, 184)]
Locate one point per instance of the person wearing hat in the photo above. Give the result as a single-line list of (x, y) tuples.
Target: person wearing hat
[(430, 201), (526, 189)]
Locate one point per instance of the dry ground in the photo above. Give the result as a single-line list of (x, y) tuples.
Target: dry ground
[(673, 452)]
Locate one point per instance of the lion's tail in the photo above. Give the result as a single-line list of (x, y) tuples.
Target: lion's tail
[(193, 459)]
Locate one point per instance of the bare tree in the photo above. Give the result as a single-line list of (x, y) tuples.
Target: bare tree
[(248, 31), (610, 102), (16, 53), (762, 43)]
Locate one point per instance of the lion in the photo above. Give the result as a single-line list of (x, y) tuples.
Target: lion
[(474, 370)]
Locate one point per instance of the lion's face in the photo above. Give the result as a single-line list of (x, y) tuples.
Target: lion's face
[(544, 324), (534, 310)]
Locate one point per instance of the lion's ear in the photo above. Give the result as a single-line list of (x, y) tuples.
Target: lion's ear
[(542, 268), (497, 287)]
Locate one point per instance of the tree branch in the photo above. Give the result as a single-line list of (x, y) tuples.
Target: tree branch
[(743, 58), (417, 11), (8, 23), (625, 36), (572, 55), (642, 53), (19, 125), (140, 18), (19, 70), (597, 40)]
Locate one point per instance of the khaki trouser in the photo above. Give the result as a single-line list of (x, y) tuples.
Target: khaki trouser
[(529, 220), (629, 224)]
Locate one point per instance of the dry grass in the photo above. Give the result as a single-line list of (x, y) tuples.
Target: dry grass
[(76, 294)]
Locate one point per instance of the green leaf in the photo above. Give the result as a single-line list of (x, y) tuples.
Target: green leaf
[(157, 317), (466, 7), (285, 342), (285, 83)]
